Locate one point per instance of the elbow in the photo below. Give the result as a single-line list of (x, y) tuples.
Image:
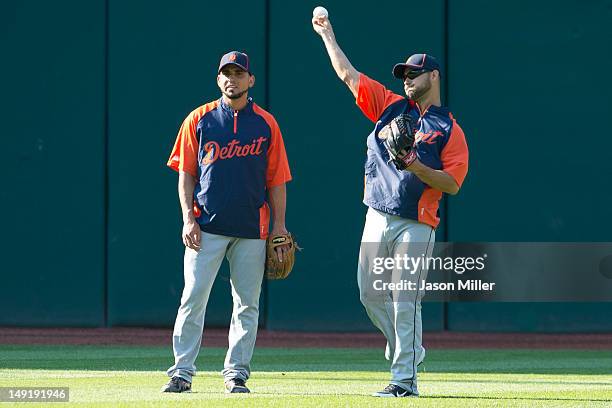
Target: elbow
[(186, 180), (453, 189), (345, 77)]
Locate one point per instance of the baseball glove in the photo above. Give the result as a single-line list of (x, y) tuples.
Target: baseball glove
[(274, 268), (398, 138)]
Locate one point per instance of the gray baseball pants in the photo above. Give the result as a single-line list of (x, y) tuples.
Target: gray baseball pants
[(397, 315), (246, 259)]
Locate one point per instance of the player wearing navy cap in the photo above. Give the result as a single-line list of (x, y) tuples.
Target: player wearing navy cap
[(403, 204), (231, 161)]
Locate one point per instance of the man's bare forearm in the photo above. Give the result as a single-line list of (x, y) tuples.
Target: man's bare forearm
[(278, 204), (437, 179), (343, 67), (186, 186)]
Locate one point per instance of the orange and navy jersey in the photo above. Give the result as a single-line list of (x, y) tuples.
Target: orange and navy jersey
[(235, 157), (440, 144)]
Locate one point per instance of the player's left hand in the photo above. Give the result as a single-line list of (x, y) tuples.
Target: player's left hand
[(398, 137), (281, 250)]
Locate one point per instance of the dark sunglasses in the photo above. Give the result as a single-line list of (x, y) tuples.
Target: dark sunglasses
[(415, 74)]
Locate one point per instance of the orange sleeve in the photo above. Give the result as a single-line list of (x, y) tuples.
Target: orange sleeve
[(278, 166), (184, 156), (455, 155), (373, 98)]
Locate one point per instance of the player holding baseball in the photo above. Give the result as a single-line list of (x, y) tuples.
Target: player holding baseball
[(402, 191), (229, 153)]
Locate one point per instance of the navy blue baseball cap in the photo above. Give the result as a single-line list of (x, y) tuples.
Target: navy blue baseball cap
[(416, 62), (237, 58)]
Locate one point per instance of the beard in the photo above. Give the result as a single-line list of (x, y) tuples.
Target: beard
[(236, 95), (417, 93)]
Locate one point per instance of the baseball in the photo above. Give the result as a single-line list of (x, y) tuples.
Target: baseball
[(319, 11)]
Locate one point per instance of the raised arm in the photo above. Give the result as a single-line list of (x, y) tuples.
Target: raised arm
[(343, 67)]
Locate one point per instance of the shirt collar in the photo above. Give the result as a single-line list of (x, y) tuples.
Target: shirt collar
[(247, 108)]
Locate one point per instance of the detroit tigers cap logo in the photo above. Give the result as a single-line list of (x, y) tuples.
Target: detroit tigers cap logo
[(232, 57)]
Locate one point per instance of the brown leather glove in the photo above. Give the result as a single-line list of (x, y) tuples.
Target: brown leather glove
[(276, 269)]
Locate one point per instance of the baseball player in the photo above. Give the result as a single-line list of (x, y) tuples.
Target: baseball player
[(403, 203), (229, 153)]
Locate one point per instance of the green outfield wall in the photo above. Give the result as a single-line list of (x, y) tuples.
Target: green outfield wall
[(94, 93), (53, 137), (515, 89)]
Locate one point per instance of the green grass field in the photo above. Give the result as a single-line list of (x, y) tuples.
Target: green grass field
[(105, 376)]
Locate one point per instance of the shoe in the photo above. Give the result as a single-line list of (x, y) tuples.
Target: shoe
[(393, 391), (236, 386), (177, 384)]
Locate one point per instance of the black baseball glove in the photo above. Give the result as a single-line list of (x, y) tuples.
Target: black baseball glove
[(398, 138)]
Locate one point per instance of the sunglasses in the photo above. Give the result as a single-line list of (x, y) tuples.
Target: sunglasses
[(415, 74)]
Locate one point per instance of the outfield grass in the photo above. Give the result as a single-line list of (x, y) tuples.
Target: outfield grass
[(105, 376)]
